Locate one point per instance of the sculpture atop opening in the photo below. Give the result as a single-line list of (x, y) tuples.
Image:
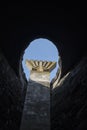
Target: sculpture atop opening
[(40, 70), (41, 49)]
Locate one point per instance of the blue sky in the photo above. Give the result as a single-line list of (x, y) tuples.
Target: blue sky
[(40, 49)]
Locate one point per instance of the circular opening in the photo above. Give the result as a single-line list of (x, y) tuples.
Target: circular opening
[(40, 49)]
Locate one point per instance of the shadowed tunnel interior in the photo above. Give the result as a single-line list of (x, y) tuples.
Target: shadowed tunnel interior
[(64, 27), (20, 24)]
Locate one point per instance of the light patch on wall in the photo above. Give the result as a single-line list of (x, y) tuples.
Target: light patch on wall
[(40, 49)]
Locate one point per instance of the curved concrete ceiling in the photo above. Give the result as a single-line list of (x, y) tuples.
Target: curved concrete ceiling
[(22, 24)]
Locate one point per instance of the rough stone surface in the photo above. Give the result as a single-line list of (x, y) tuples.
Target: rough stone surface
[(69, 100), (36, 113), (10, 97), (40, 77), (66, 27)]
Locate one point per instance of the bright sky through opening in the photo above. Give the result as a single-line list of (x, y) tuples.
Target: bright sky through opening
[(40, 49)]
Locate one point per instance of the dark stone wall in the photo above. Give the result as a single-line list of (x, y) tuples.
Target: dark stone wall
[(36, 112), (69, 100), (11, 102)]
